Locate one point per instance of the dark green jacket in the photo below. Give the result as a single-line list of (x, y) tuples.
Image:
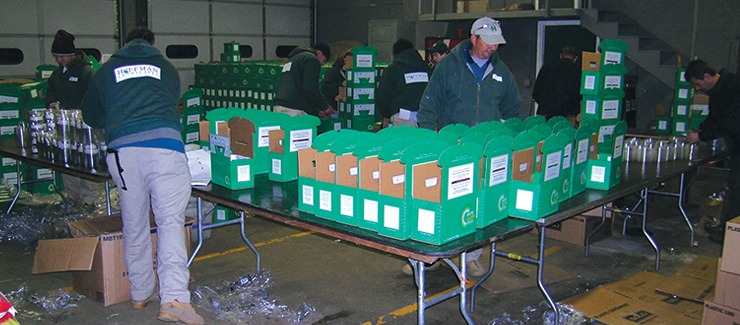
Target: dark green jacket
[(69, 87), (134, 96), (333, 79), (454, 94), (402, 84), (299, 83)]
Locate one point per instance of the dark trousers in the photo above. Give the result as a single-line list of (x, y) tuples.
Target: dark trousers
[(734, 183)]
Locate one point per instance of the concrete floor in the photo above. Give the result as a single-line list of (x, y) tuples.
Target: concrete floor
[(348, 284)]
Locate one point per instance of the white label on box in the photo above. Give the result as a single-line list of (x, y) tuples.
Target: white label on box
[(683, 93), (391, 217), (376, 174), (242, 174), (264, 135), (193, 119), (567, 153), (460, 181), (614, 82), (552, 165), (618, 142), (612, 57), (11, 177), (332, 167), (192, 137), (662, 125), (590, 107), (43, 173), (221, 215), (34, 93), (300, 139), (430, 182), (369, 92), (8, 99), (9, 114), (499, 172), (346, 205), (582, 154), (681, 126), (415, 77), (523, 166), (277, 167), (307, 195), (704, 109), (193, 102), (598, 174), (681, 110), (7, 130), (589, 83), (364, 61), (604, 131), (371, 211), (426, 221), (359, 108), (610, 109), (324, 200), (398, 179), (8, 162), (358, 77), (524, 200), (353, 171)]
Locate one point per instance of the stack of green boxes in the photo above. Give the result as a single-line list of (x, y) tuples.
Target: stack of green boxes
[(679, 124), (192, 101), (231, 53), (602, 87), (241, 84), (357, 112)]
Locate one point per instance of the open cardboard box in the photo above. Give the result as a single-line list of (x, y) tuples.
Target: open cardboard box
[(95, 254)]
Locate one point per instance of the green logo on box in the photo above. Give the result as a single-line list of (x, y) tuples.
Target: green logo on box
[(468, 216)]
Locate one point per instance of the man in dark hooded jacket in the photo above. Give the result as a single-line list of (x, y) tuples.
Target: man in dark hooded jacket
[(68, 83), (402, 85), (298, 90)]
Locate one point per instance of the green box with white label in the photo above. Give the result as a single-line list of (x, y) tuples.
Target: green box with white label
[(584, 144), (605, 172), (392, 202), (493, 201), (295, 133)]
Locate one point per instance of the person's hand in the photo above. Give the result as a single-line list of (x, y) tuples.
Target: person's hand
[(693, 136), (54, 105), (385, 123)]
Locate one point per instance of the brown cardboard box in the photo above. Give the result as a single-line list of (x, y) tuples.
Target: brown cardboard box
[(726, 291), (576, 229), (718, 314), (478, 6), (731, 249), (96, 255)]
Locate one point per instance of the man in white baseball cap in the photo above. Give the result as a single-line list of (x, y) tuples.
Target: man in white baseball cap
[(472, 85)]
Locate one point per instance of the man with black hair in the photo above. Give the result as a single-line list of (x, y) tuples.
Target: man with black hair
[(437, 52), (135, 97), (723, 89), (298, 91), (402, 84), (557, 87)]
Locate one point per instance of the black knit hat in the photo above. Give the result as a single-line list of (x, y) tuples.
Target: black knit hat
[(323, 48), (64, 43)]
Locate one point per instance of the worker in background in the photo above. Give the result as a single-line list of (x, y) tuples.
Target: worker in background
[(723, 89), (437, 52), (135, 96), (65, 88), (298, 90), (471, 86), (557, 87), (335, 77), (401, 86)]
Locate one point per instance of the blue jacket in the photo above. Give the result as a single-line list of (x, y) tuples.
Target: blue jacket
[(134, 96), (454, 94)]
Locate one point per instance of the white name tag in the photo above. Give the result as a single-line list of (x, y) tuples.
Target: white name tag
[(287, 66), (137, 71), (414, 77)]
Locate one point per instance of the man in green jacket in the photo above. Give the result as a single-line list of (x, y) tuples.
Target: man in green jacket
[(135, 97), (298, 90), (470, 86), (402, 85)]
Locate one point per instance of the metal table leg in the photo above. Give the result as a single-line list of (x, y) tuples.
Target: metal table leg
[(644, 194), (423, 304), (18, 182), (541, 279), (483, 279)]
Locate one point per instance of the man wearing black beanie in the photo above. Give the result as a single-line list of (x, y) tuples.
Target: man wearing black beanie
[(68, 83)]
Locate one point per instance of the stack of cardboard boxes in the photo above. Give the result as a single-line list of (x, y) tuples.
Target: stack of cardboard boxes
[(357, 110), (725, 307), (192, 114)]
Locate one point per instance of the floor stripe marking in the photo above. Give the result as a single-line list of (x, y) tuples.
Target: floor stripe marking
[(243, 248)]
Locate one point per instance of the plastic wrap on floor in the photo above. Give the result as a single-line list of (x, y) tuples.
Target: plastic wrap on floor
[(543, 314), (246, 298), (52, 306), (28, 224)]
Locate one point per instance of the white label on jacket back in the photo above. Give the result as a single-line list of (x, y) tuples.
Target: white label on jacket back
[(137, 71), (460, 181), (414, 77)]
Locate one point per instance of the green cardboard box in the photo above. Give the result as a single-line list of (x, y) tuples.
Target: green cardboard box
[(493, 197), (584, 144), (663, 125), (223, 214), (369, 177), (346, 189), (392, 203), (568, 134), (605, 172), (295, 133)]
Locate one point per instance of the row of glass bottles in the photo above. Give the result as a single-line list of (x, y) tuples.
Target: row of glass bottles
[(61, 136)]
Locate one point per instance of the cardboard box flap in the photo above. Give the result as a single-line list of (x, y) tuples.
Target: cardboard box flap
[(70, 254), (95, 227)]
